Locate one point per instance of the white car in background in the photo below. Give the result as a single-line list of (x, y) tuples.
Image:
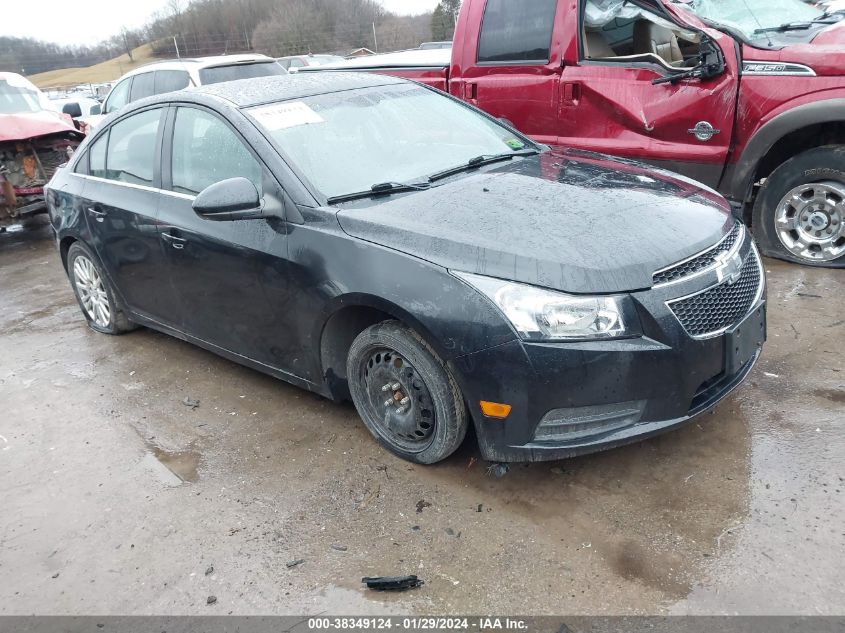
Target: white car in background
[(294, 62), (168, 76)]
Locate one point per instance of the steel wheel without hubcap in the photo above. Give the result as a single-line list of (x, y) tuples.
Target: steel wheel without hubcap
[(810, 221), (399, 400), (92, 291)]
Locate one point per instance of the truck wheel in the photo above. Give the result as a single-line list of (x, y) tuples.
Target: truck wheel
[(94, 292), (405, 394), (799, 214)]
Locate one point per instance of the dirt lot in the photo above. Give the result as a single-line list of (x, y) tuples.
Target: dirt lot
[(117, 498)]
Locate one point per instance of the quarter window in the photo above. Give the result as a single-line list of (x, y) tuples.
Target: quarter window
[(170, 81), (97, 157), (131, 153), (517, 31), (206, 151), (119, 96), (143, 86)]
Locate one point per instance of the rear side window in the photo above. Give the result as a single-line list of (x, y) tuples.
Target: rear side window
[(517, 31), (143, 86), (206, 151), (171, 81), (119, 96), (232, 72), (97, 157), (131, 153)]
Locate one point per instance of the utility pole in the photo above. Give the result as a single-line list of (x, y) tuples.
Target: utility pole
[(176, 44), (375, 39)]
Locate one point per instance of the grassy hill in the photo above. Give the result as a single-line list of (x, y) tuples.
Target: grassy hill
[(105, 71)]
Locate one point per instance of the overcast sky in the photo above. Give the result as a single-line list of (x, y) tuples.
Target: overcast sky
[(91, 21)]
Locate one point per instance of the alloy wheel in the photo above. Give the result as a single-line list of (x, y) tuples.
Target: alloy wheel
[(810, 221), (92, 291)]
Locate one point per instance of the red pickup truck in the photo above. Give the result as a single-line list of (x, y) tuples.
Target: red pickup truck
[(746, 96)]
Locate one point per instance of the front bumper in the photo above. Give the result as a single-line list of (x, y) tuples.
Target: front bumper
[(570, 399)]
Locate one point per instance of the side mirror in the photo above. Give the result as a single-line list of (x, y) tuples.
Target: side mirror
[(230, 199), (72, 109), (96, 109)]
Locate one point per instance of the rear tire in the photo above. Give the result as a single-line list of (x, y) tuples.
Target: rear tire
[(405, 393), (799, 213), (94, 292)]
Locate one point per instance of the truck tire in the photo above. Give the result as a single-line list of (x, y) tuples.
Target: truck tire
[(405, 393), (799, 213), (94, 292)]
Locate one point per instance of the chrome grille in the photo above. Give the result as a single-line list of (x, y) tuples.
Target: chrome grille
[(700, 262), (718, 308)]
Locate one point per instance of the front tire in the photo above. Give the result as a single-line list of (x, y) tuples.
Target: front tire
[(94, 293), (405, 393), (799, 213)]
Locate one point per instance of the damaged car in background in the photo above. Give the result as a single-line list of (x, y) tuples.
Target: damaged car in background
[(373, 239), (34, 141)]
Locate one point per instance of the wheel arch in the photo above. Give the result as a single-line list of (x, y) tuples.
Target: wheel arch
[(64, 246), (788, 134), (349, 316)]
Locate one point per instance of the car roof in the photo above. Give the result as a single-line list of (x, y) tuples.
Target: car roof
[(188, 63), (245, 93)]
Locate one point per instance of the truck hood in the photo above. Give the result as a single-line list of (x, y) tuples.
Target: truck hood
[(574, 221), (23, 126), (824, 53)]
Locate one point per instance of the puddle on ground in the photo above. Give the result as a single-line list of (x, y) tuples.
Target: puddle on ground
[(179, 464), (834, 395)]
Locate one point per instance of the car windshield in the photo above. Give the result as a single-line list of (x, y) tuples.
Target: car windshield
[(751, 18), (232, 72), (347, 142), (17, 99)]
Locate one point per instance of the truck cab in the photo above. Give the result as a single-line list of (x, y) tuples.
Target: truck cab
[(745, 97)]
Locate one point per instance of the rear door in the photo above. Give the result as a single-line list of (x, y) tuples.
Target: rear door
[(219, 268), (121, 204), (513, 69)]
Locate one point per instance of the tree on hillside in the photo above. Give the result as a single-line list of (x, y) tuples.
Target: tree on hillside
[(444, 18)]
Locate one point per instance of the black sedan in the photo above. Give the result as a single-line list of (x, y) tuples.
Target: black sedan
[(369, 238)]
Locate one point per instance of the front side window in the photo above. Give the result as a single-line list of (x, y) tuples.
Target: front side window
[(119, 96), (131, 153), (143, 86), (233, 72), (206, 151), (517, 31), (347, 142), (171, 81)]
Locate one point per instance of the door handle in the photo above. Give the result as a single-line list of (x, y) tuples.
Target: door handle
[(571, 93), (176, 242), (98, 215)]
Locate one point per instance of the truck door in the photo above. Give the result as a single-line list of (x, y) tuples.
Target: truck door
[(512, 70), (610, 104)]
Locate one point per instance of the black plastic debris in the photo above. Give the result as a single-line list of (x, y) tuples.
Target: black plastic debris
[(498, 470), (191, 402), (393, 583), (294, 563)]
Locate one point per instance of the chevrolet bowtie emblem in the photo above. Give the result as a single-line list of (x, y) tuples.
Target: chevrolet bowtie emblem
[(729, 267)]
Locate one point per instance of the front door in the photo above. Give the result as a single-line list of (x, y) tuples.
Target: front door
[(120, 204), (610, 104), (513, 70), (220, 268)]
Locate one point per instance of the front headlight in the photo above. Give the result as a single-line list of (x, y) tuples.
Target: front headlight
[(549, 315)]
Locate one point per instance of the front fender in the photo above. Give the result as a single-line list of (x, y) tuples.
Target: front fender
[(787, 118)]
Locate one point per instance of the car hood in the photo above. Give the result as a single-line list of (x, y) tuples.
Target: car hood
[(19, 127), (573, 221)]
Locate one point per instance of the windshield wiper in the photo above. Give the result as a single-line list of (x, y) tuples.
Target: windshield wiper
[(479, 161), (798, 26), (381, 188)]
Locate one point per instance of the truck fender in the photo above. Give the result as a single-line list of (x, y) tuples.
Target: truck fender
[(739, 177)]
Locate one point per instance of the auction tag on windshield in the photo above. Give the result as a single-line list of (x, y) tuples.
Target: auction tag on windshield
[(280, 116)]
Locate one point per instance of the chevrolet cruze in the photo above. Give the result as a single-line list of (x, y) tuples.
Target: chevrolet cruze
[(371, 239)]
